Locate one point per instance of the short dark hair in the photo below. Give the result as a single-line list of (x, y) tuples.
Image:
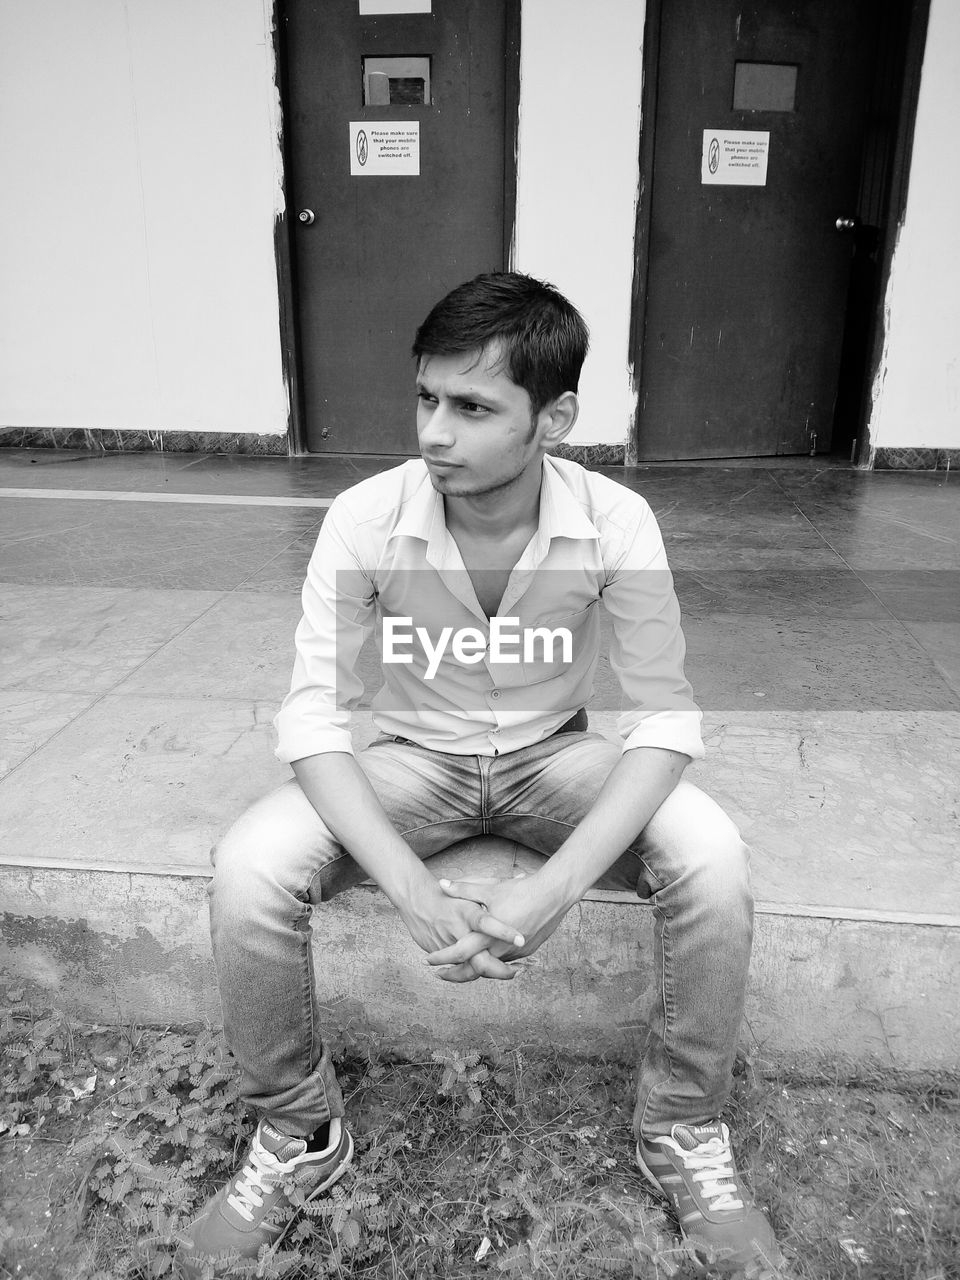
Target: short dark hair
[(544, 336)]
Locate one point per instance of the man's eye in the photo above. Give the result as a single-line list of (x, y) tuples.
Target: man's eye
[(426, 398), (475, 408)]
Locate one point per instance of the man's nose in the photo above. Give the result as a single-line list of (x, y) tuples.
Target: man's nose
[(438, 428)]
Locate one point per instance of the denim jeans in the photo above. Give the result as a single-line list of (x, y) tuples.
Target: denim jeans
[(279, 861)]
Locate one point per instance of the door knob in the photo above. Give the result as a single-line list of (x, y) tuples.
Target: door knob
[(306, 217), (843, 224)]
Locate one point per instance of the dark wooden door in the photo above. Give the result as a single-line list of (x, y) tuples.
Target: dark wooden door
[(747, 285), (385, 243)]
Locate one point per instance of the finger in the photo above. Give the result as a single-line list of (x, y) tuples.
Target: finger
[(471, 890), (489, 924), (489, 966), (482, 965), (460, 951), (457, 973), (467, 973), (475, 891)]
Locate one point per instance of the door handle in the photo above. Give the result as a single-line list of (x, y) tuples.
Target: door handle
[(843, 224), (306, 216)]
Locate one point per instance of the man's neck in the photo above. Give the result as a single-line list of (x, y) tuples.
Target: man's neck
[(497, 515)]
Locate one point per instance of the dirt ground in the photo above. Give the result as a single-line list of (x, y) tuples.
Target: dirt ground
[(468, 1164)]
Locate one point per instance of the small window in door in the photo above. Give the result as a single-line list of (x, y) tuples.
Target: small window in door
[(765, 86), (396, 82)]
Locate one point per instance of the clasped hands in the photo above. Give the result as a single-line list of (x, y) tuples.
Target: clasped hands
[(503, 920)]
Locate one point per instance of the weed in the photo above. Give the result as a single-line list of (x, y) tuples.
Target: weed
[(471, 1163)]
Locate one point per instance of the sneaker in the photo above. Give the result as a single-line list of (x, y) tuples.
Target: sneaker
[(253, 1209), (694, 1169)]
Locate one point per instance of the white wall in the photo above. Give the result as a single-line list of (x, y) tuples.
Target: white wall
[(577, 184), (917, 391), (138, 148), (141, 172)]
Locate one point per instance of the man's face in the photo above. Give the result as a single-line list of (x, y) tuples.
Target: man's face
[(476, 428)]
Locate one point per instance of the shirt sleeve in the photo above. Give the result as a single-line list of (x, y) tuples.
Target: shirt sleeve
[(338, 615), (648, 648)]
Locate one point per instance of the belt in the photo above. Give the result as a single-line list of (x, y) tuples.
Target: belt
[(576, 724)]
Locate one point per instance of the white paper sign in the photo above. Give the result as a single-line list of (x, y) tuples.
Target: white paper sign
[(394, 6), (379, 147), (735, 158)]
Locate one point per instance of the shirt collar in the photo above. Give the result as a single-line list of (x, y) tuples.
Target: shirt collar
[(421, 512), (561, 515)]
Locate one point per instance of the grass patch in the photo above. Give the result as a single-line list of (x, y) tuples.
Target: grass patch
[(468, 1164)]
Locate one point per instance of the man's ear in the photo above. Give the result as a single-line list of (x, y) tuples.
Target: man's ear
[(557, 419)]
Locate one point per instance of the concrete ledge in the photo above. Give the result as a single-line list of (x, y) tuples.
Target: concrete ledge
[(123, 946)]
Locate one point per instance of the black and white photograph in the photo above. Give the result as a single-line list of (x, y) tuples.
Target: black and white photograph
[(479, 640)]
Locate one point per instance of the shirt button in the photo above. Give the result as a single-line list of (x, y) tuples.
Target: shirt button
[(494, 730), (495, 694)]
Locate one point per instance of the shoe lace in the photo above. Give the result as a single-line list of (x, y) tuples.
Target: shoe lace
[(711, 1165), (258, 1177)]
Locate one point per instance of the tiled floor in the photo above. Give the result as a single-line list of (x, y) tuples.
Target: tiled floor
[(148, 639)]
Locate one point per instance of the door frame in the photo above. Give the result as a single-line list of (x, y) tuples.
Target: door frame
[(917, 14), (284, 240)]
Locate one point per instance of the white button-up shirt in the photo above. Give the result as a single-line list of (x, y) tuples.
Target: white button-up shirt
[(385, 564)]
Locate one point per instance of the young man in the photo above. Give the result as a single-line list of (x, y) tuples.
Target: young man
[(483, 566)]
